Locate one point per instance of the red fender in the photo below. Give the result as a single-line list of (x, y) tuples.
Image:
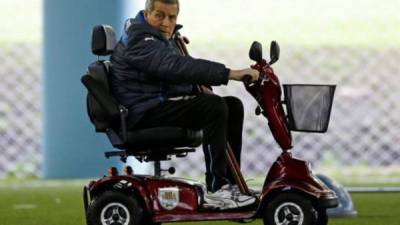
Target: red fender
[(131, 183), (268, 95), (290, 174)]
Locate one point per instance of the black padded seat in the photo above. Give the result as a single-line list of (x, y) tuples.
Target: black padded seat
[(163, 137)]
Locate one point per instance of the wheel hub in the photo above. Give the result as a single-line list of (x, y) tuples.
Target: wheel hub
[(289, 217), (115, 217), (115, 213), (289, 213)]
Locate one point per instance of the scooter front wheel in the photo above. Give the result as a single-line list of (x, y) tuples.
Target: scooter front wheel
[(290, 208), (322, 217)]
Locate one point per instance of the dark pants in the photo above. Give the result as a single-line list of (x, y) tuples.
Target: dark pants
[(220, 118)]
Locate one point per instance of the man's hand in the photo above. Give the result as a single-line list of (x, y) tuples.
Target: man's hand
[(206, 90), (239, 74)]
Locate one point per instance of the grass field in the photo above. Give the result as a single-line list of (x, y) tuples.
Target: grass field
[(60, 203)]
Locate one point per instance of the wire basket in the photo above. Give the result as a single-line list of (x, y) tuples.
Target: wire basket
[(309, 106)]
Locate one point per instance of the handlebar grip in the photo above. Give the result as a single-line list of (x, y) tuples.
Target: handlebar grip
[(247, 79)]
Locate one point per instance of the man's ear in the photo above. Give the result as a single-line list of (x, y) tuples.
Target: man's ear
[(146, 14)]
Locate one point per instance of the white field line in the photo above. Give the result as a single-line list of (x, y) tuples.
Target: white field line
[(42, 183), (372, 189), (24, 206)]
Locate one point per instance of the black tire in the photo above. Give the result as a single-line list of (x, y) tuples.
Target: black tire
[(290, 209), (322, 218), (148, 221), (116, 208)]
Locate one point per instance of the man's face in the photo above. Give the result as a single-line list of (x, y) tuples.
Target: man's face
[(163, 18)]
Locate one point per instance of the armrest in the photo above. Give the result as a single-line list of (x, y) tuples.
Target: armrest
[(107, 102), (100, 94), (123, 112)]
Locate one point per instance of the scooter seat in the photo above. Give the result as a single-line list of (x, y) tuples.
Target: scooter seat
[(155, 144), (163, 137), (110, 117)]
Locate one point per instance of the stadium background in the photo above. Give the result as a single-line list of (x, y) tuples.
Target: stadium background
[(355, 46)]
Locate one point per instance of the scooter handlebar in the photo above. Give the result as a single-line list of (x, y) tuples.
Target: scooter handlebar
[(247, 79)]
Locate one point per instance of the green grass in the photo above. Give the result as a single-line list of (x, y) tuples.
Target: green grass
[(60, 203), (41, 205)]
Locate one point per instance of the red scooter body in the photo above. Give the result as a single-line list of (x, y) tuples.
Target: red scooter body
[(267, 92), (188, 204), (286, 175), (290, 174)]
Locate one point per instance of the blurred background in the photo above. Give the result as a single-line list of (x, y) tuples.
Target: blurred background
[(49, 149), (21, 104), (355, 46)]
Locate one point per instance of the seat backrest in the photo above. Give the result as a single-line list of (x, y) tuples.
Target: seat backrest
[(103, 109)]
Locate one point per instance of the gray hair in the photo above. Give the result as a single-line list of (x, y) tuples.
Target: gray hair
[(150, 4)]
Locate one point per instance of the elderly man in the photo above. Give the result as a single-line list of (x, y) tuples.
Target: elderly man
[(162, 87)]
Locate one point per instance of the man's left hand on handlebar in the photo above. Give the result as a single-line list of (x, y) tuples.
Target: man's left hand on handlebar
[(239, 74)]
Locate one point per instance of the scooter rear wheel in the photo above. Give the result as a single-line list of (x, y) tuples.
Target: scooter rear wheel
[(112, 207), (290, 208)]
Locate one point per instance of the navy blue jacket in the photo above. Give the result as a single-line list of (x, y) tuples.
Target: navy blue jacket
[(147, 69)]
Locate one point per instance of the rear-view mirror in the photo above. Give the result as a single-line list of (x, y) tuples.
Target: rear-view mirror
[(256, 52), (274, 52)]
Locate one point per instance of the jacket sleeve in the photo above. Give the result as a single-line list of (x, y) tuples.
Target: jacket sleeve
[(158, 60)]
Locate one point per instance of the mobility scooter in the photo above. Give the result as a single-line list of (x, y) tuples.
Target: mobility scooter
[(291, 194)]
